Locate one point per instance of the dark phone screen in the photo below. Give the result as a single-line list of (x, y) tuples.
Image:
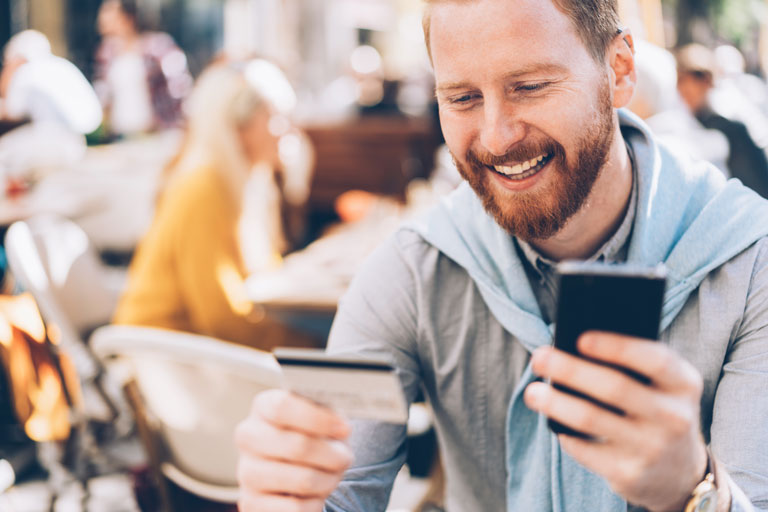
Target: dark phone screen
[(612, 298)]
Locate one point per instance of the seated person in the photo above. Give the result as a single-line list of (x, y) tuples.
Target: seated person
[(531, 96), (141, 76), (52, 102), (657, 102), (41, 87), (696, 81), (220, 202)]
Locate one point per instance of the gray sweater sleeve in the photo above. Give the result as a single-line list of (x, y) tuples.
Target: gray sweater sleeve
[(378, 315), (740, 415)]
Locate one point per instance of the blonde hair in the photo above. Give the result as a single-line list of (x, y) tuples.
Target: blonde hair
[(224, 99), (221, 102)]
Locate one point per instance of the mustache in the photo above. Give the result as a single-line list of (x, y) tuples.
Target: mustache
[(520, 153)]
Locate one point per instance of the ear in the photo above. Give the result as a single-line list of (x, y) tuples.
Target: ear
[(621, 63)]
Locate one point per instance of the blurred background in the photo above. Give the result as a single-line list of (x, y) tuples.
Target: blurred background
[(187, 184)]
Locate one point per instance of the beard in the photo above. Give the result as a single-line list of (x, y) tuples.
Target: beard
[(541, 214)]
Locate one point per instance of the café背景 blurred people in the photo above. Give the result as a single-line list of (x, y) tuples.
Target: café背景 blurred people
[(658, 103), (141, 77), (218, 217), (739, 94), (696, 80), (50, 100)]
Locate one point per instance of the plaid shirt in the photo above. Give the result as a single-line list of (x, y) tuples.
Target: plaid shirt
[(168, 77)]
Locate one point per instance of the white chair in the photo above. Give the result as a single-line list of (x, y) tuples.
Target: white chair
[(195, 389), (52, 258)]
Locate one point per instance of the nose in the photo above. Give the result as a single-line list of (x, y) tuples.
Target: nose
[(501, 128)]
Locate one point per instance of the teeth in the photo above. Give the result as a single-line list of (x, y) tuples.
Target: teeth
[(520, 168)]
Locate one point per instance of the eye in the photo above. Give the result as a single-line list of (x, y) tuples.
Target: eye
[(463, 99), (532, 87)]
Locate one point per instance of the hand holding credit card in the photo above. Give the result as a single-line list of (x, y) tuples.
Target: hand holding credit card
[(361, 388)]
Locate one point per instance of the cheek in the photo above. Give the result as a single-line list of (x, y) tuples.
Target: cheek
[(257, 134), (458, 132)]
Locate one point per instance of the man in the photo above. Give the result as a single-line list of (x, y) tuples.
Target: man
[(747, 161), (47, 103), (657, 102), (43, 88), (528, 93)]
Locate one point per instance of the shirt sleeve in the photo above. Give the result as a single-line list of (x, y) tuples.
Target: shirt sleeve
[(378, 315), (740, 417), (739, 501)]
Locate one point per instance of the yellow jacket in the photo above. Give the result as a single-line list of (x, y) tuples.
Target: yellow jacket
[(187, 273)]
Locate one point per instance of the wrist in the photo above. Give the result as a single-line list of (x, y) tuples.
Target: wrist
[(723, 484), (705, 497), (694, 477)]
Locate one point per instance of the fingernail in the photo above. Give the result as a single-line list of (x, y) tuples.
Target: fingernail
[(344, 451), (534, 393), (540, 357), (341, 429), (350, 456), (587, 342)]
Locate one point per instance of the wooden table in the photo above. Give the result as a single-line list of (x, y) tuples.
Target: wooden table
[(378, 154), (306, 289)]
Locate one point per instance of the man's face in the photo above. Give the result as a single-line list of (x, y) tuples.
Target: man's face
[(694, 89), (112, 21), (526, 111)]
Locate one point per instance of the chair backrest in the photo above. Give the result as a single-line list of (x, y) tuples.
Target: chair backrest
[(52, 258), (198, 389)]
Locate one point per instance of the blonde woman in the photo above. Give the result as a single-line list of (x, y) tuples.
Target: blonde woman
[(218, 215)]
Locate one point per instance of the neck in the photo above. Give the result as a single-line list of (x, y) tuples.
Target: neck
[(602, 212), (127, 39)]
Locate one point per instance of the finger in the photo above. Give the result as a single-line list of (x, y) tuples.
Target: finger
[(276, 503), (258, 438), (605, 384), (600, 458), (290, 411), (275, 477), (576, 413), (662, 365)]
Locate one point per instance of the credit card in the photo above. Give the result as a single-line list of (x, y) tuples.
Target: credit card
[(361, 388)]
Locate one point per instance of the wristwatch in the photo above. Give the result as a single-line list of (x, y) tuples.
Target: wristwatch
[(704, 496)]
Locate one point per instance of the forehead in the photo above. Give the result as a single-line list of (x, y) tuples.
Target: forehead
[(110, 6), (472, 40)]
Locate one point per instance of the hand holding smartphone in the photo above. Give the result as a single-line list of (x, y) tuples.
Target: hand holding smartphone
[(623, 299)]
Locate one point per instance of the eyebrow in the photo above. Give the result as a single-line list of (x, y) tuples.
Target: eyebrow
[(519, 73)]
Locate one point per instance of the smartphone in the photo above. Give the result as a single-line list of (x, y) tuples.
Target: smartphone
[(621, 298)]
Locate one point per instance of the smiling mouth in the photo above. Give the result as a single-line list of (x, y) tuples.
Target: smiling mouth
[(522, 170)]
